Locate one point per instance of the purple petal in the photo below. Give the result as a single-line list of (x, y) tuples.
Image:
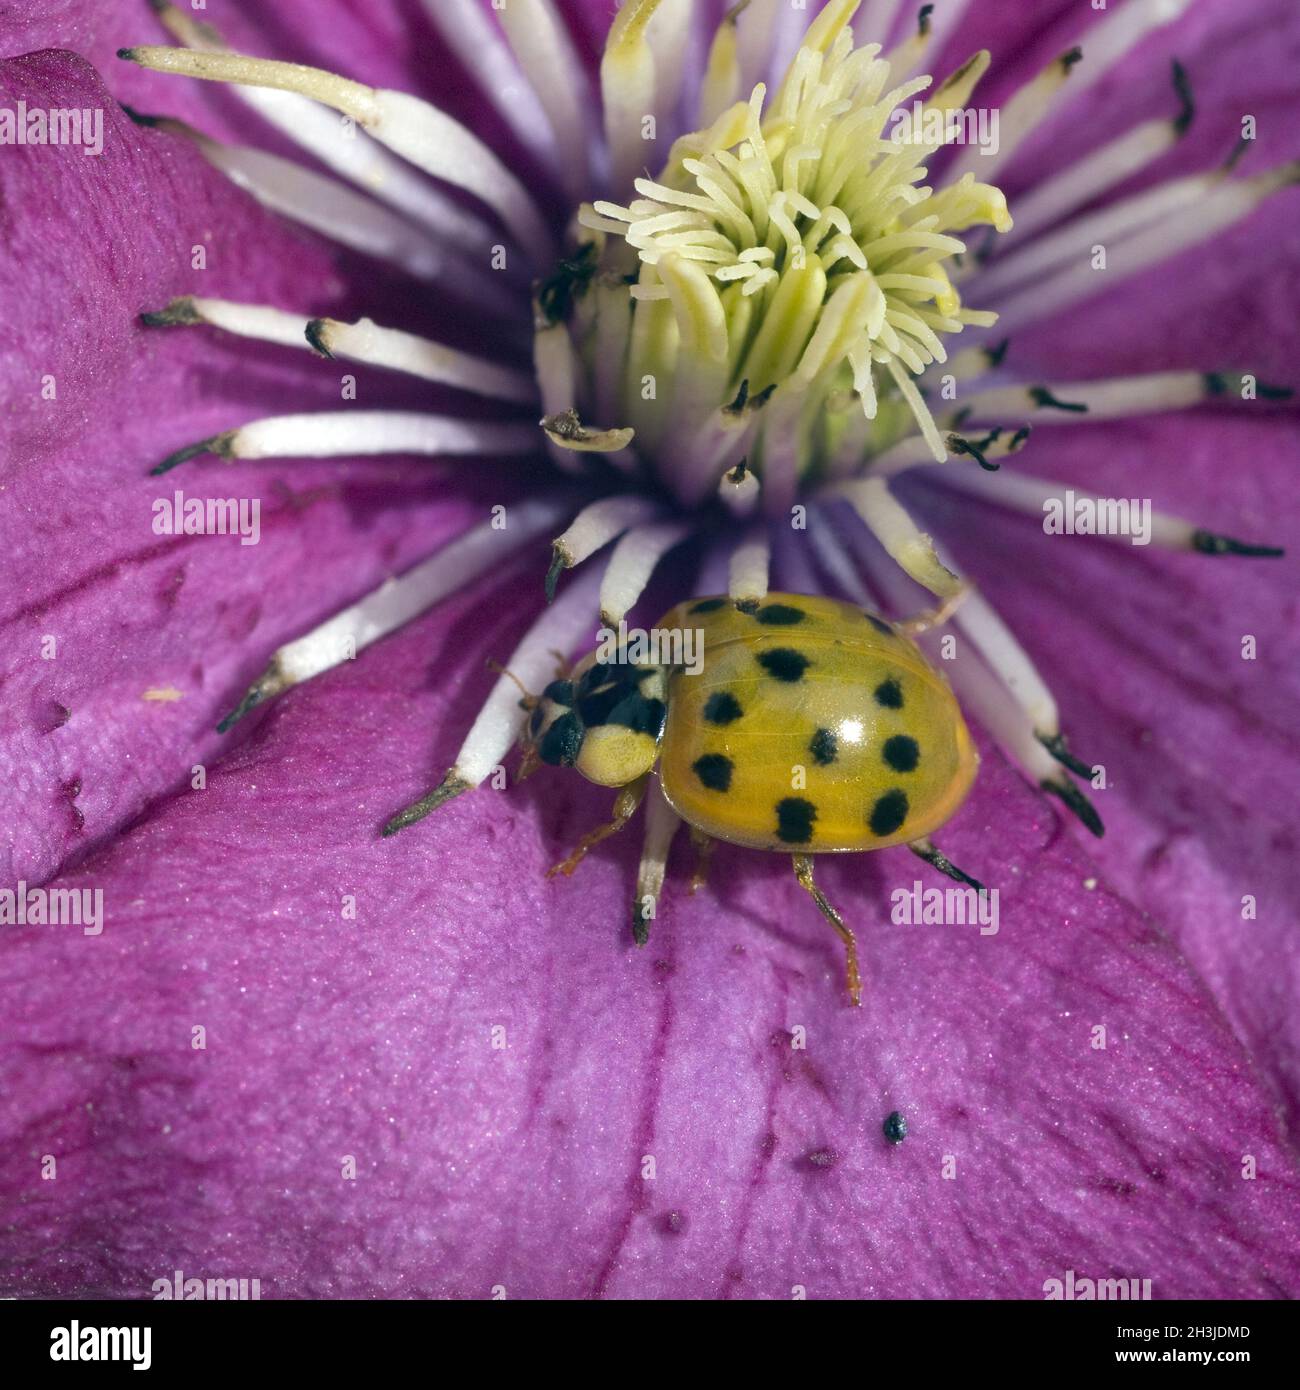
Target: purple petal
[(523, 1166)]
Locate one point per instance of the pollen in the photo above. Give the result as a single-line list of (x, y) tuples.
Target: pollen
[(791, 268)]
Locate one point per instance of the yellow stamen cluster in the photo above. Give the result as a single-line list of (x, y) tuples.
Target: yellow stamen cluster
[(785, 253)]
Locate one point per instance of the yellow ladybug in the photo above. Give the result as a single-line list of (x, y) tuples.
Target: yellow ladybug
[(807, 725)]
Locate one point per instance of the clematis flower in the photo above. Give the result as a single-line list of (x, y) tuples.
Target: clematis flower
[(686, 238)]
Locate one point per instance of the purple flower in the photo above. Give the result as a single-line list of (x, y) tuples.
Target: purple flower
[(350, 1065)]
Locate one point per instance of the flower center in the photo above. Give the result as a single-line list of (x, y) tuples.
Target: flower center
[(772, 294)]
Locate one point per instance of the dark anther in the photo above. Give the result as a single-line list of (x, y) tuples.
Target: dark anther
[(936, 859), (451, 785), (1072, 56), (566, 284), (219, 444), (959, 445), (1186, 106), (923, 20), (1040, 395), (741, 397), (895, 1127), (558, 566), (995, 352), (1056, 746), (315, 333), (1078, 803), (1018, 439), (740, 471), (1210, 544)]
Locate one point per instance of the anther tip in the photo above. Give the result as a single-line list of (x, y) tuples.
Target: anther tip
[(451, 785), (127, 53), (553, 574), (1057, 747), (315, 335), (1078, 803), (1208, 543)]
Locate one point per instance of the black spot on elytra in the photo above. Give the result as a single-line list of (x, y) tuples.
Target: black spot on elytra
[(714, 771), (559, 691), (708, 605), (824, 747), (889, 694), (889, 813), (794, 820), (784, 664), (722, 708), (562, 742), (879, 624), (780, 615), (901, 752)]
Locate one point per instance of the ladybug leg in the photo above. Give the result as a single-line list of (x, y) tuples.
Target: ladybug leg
[(935, 617), (923, 849), (625, 804), (803, 871), (703, 846)]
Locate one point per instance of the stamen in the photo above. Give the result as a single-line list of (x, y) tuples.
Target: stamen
[(632, 563), (748, 572), (1109, 167), (566, 431), (1109, 399), (924, 849), (909, 546), (397, 601), (365, 341), (542, 45), (627, 85), (661, 824), (594, 527), (326, 206), (790, 247), (1024, 494), (420, 133), (1119, 31), (740, 490), (1220, 203), (331, 434), (485, 54), (560, 628), (362, 161)]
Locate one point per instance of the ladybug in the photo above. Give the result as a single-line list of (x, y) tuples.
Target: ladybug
[(811, 726)]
